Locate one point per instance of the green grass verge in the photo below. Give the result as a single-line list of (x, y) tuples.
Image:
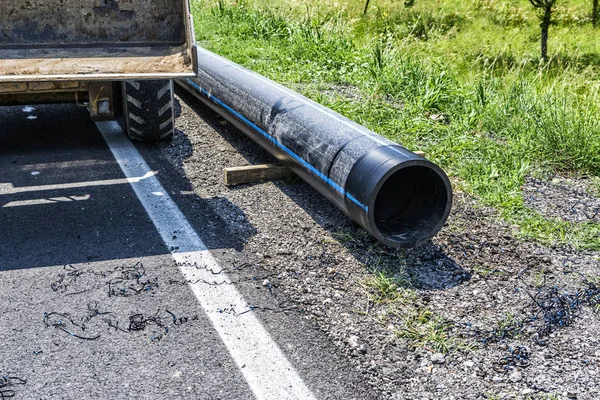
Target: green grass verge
[(461, 81)]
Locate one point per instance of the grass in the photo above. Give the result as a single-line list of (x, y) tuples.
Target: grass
[(385, 288), (486, 272), (460, 80), (595, 187), (508, 327), (548, 396), (539, 279), (424, 329)]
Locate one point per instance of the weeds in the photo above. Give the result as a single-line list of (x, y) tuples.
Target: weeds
[(508, 327), (486, 272), (423, 329), (594, 188), (386, 288), (548, 396)]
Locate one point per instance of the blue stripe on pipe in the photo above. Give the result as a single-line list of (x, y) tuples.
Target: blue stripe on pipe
[(277, 143)]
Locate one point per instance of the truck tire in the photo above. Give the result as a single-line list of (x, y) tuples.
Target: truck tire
[(148, 110)]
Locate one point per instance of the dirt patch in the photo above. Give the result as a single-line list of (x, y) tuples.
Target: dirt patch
[(568, 199), (474, 285)]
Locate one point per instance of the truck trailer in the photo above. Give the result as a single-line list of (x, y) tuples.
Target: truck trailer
[(118, 58)]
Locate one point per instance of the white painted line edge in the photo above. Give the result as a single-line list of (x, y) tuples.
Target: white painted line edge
[(267, 371)]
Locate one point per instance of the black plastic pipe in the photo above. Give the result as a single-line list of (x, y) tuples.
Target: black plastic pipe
[(399, 197)]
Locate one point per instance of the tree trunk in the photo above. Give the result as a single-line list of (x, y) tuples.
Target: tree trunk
[(545, 27), (595, 13)]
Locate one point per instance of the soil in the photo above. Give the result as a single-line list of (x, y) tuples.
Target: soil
[(568, 199), (475, 274)]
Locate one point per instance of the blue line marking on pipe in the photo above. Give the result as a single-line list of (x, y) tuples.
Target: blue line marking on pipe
[(277, 143)]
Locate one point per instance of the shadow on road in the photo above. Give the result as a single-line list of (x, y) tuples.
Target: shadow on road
[(64, 199)]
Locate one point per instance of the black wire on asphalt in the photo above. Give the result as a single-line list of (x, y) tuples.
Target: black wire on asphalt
[(9, 381)]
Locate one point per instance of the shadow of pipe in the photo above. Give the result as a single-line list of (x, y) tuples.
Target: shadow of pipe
[(428, 265)]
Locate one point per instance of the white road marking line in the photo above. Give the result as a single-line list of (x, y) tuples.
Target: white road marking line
[(8, 188), (266, 369)]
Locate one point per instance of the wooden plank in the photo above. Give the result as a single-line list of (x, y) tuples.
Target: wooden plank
[(256, 173), (419, 153)]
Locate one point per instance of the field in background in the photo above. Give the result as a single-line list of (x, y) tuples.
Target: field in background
[(460, 80)]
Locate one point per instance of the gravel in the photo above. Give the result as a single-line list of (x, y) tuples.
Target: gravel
[(474, 274), (568, 199)]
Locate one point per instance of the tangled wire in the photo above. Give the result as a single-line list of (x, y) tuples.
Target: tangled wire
[(9, 381), (66, 323), (499, 334), (67, 278), (78, 328), (124, 281), (131, 281), (558, 308), (553, 308)]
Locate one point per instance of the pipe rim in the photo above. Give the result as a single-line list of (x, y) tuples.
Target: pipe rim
[(426, 164)]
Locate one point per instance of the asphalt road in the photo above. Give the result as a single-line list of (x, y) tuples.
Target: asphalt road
[(93, 305)]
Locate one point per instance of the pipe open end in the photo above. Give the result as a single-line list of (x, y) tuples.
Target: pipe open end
[(412, 205)]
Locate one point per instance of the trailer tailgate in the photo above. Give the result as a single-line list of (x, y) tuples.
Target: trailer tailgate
[(42, 40)]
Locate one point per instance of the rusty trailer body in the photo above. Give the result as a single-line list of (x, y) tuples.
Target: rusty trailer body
[(50, 40), (85, 50)]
